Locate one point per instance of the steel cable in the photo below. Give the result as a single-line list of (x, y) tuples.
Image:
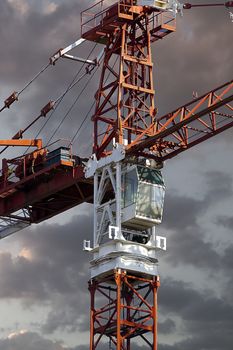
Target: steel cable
[(72, 106), (56, 102), (60, 99), (69, 110), (85, 118), (15, 95), (33, 79), (87, 114)]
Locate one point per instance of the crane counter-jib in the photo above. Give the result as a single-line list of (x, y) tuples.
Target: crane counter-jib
[(44, 191)]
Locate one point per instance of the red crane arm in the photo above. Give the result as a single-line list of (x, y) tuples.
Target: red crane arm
[(22, 143), (188, 6), (193, 123)]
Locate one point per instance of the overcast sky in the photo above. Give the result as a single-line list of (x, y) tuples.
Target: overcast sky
[(44, 301)]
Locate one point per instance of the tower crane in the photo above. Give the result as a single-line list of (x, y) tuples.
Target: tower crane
[(123, 177)]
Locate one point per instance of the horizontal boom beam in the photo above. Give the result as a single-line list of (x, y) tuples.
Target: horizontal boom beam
[(189, 125)]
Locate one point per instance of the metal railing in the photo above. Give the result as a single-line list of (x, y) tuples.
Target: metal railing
[(162, 19), (17, 169), (93, 16)]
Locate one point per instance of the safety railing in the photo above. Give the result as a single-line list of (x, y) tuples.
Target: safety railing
[(163, 19), (96, 14), (17, 169), (124, 7), (93, 16)]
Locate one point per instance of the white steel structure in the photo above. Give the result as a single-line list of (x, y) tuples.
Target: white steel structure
[(128, 204)]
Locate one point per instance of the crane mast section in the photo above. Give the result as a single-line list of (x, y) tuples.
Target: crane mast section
[(125, 106)]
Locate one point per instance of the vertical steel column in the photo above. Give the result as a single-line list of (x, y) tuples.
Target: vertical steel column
[(118, 307), (118, 195), (95, 207), (156, 285), (91, 287)]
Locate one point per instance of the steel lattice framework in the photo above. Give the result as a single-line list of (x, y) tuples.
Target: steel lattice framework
[(123, 307), (129, 98), (126, 114), (125, 104), (40, 185), (193, 123), (125, 110)]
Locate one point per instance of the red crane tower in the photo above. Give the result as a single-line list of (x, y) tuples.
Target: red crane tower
[(123, 177)]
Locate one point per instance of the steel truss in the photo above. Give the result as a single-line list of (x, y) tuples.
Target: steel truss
[(189, 125), (123, 308), (14, 222), (106, 212), (125, 106)]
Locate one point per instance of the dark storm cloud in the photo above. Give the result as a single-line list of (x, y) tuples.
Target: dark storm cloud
[(225, 221), (219, 187), (32, 341), (183, 212), (207, 320), (30, 40), (198, 57), (57, 272), (218, 338), (182, 215), (69, 313), (57, 261), (193, 305), (31, 37), (227, 258), (166, 327)]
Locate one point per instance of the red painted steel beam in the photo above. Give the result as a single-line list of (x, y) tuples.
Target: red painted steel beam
[(22, 143), (200, 140), (49, 195), (227, 4), (189, 125)]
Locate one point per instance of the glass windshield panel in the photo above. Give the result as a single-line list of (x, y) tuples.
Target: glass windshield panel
[(129, 188), (149, 175), (150, 201)]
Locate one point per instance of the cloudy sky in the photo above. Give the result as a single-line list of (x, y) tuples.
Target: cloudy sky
[(43, 271)]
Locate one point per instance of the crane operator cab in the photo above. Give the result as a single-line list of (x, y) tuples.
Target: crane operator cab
[(126, 215), (142, 200), (161, 5)]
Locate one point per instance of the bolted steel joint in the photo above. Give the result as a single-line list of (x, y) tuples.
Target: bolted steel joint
[(11, 99), (47, 108)]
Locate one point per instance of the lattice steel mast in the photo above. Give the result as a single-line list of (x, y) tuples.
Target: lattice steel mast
[(128, 154), (128, 195)]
